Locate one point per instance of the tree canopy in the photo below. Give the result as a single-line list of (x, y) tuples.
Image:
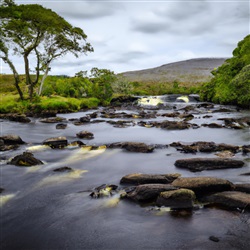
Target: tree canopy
[(231, 82), (32, 31)]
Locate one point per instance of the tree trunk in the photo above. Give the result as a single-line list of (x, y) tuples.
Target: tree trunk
[(16, 76), (27, 76), (43, 79)]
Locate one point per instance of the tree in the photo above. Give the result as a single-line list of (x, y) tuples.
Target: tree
[(31, 30), (231, 82), (102, 80)]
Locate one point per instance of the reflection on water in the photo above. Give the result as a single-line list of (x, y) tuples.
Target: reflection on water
[(55, 209)]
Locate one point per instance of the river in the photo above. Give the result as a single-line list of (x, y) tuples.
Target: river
[(41, 209)]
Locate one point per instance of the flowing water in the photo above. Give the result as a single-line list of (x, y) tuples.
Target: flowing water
[(42, 209)]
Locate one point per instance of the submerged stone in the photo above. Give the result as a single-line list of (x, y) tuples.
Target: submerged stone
[(148, 192), (200, 164), (230, 200), (11, 139), (85, 135), (138, 178), (56, 142), (203, 185), (26, 159), (181, 198)]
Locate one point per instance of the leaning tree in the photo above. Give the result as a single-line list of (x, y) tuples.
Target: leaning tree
[(38, 35)]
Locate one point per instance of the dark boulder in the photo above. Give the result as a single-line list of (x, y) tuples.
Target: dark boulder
[(63, 170), (53, 119), (200, 164), (26, 159), (56, 142), (205, 147), (173, 125), (61, 126), (244, 187), (203, 185), (1, 190), (148, 192), (133, 146), (176, 199), (11, 139), (212, 125), (103, 190), (84, 119), (245, 149), (118, 101), (230, 200), (85, 135), (138, 178)]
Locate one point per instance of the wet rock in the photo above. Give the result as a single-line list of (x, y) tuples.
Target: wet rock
[(207, 116), (230, 200), (245, 174), (213, 238), (27, 159), (63, 170), (236, 123), (1, 190), (103, 190), (173, 125), (8, 147), (138, 147), (176, 199), (16, 117), (203, 185), (118, 101), (53, 119), (56, 142), (246, 149), (212, 125), (84, 119), (121, 123), (61, 126), (11, 139), (205, 147), (93, 115), (200, 164), (227, 147), (174, 114), (187, 117), (138, 178), (223, 110), (85, 135), (245, 187), (205, 105), (76, 144), (148, 192)]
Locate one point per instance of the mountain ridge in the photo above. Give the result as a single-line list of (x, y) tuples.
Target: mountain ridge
[(191, 70)]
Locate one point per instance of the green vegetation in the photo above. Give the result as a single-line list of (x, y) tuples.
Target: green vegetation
[(32, 31), (231, 82), (163, 88)]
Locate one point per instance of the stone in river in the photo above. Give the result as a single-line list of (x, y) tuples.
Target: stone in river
[(200, 164), (56, 142), (26, 159)]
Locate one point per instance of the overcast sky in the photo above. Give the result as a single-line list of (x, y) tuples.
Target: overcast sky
[(133, 35)]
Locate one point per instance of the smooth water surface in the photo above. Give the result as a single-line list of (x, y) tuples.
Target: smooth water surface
[(42, 209)]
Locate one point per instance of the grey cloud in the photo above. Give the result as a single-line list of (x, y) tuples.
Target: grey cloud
[(83, 9), (149, 28)]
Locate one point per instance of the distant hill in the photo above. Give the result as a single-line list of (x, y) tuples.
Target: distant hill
[(193, 70)]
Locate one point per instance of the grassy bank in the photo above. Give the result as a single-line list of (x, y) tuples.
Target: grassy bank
[(57, 97)]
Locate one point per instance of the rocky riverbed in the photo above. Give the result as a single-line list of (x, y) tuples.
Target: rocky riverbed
[(160, 172)]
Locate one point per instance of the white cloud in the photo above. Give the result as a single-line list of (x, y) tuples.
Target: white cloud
[(131, 35)]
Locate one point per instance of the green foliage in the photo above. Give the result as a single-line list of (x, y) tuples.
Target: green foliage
[(121, 85), (231, 82), (102, 79), (32, 31)]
